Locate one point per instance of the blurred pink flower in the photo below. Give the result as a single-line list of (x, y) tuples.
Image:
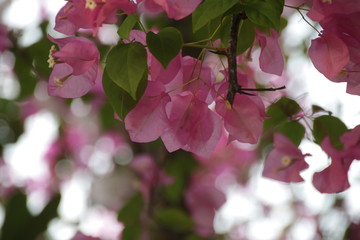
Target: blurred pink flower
[(285, 162), (203, 199)]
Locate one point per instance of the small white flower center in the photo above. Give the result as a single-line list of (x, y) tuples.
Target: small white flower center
[(286, 161), (90, 4)]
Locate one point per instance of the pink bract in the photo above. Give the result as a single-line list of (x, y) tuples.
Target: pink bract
[(285, 162), (244, 120), (5, 42), (271, 58), (203, 199), (175, 9), (76, 14), (322, 9), (329, 54), (193, 126), (76, 67), (334, 178), (148, 120)]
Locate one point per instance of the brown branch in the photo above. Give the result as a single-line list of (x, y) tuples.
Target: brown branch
[(261, 89), (234, 87), (231, 56)]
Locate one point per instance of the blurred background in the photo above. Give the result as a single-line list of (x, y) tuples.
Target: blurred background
[(69, 171)]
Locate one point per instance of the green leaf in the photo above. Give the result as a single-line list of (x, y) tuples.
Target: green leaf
[(329, 126), (20, 224), (293, 130), (131, 233), (180, 168), (130, 213), (120, 100), (127, 26), (165, 45), (209, 10), (246, 36), (281, 111), (126, 65), (265, 13), (174, 219)]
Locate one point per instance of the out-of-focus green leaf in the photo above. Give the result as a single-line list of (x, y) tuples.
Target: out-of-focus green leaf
[(20, 224), (180, 168), (10, 122), (265, 13), (165, 45), (127, 26), (280, 111), (131, 233), (293, 130), (329, 126), (174, 219), (130, 213), (316, 109), (126, 65), (120, 100), (209, 10)]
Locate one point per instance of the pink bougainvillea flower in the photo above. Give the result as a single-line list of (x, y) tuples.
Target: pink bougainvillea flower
[(158, 73), (230, 159), (244, 119), (202, 78), (175, 9), (193, 126), (271, 58), (148, 120), (285, 162), (90, 14), (151, 175), (329, 54), (203, 199), (76, 66), (334, 178), (5, 42), (178, 9), (323, 8)]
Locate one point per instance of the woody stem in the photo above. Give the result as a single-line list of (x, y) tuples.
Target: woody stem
[(234, 87)]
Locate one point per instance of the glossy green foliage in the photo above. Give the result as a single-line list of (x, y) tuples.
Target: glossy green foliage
[(165, 45), (126, 27), (121, 100), (265, 13), (126, 65), (246, 36), (209, 10)]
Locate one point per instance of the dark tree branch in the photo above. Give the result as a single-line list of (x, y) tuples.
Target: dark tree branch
[(261, 89), (234, 87), (230, 52)]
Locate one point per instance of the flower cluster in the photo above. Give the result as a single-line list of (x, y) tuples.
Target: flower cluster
[(335, 53)]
